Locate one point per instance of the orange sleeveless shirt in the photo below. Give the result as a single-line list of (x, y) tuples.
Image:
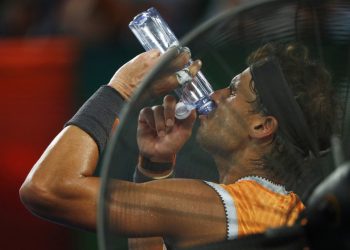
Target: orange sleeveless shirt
[(254, 204)]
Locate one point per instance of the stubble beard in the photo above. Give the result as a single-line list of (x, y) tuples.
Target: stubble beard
[(207, 141)]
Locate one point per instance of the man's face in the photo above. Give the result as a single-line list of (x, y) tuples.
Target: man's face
[(227, 128)]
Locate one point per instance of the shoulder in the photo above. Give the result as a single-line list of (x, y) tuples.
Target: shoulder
[(253, 205)]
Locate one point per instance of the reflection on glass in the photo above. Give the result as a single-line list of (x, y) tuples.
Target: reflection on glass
[(154, 33)]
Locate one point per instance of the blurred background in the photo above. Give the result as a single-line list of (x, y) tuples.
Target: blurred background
[(53, 56)]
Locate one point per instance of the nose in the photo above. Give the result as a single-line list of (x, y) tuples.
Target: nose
[(219, 95)]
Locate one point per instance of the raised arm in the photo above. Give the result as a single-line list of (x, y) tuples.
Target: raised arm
[(61, 188), (64, 172)]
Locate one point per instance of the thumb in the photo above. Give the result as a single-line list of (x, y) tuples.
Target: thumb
[(189, 121)]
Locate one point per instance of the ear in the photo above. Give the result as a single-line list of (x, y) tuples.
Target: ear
[(263, 126)]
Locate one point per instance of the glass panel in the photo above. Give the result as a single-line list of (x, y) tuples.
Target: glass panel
[(223, 44)]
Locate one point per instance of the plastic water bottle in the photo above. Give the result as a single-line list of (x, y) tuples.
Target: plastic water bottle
[(154, 33)]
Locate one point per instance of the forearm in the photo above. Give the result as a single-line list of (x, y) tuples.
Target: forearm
[(160, 171), (61, 186)]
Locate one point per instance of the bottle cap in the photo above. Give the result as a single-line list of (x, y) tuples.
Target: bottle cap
[(182, 111)]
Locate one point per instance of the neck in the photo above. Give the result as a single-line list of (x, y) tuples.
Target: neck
[(242, 163)]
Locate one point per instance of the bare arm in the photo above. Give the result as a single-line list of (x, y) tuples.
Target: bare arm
[(61, 188), (182, 211), (65, 170)]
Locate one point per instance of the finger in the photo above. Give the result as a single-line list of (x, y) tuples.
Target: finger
[(146, 116), (187, 74), (195, 67), (168, 82), (158, 112), (164, 85), (180, 61), (169, 103), (147, 59), (151, 55), (189, 121)]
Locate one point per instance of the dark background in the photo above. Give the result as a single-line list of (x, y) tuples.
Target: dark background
[(53, 55)]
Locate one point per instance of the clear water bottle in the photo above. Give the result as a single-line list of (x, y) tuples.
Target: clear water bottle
[(154, 33)]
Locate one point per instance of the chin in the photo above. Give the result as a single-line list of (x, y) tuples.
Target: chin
[(205, 141)]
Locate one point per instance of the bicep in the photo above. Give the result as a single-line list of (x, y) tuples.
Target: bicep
[(180, 210)]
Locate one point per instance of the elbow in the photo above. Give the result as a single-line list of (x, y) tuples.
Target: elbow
[(56, 201), (37, 198)]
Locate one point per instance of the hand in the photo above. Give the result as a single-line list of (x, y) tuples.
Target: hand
[(159, 135), (130, 75)]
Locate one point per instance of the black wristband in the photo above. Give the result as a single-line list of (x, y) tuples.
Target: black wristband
[(145, 163), (96, 117)]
